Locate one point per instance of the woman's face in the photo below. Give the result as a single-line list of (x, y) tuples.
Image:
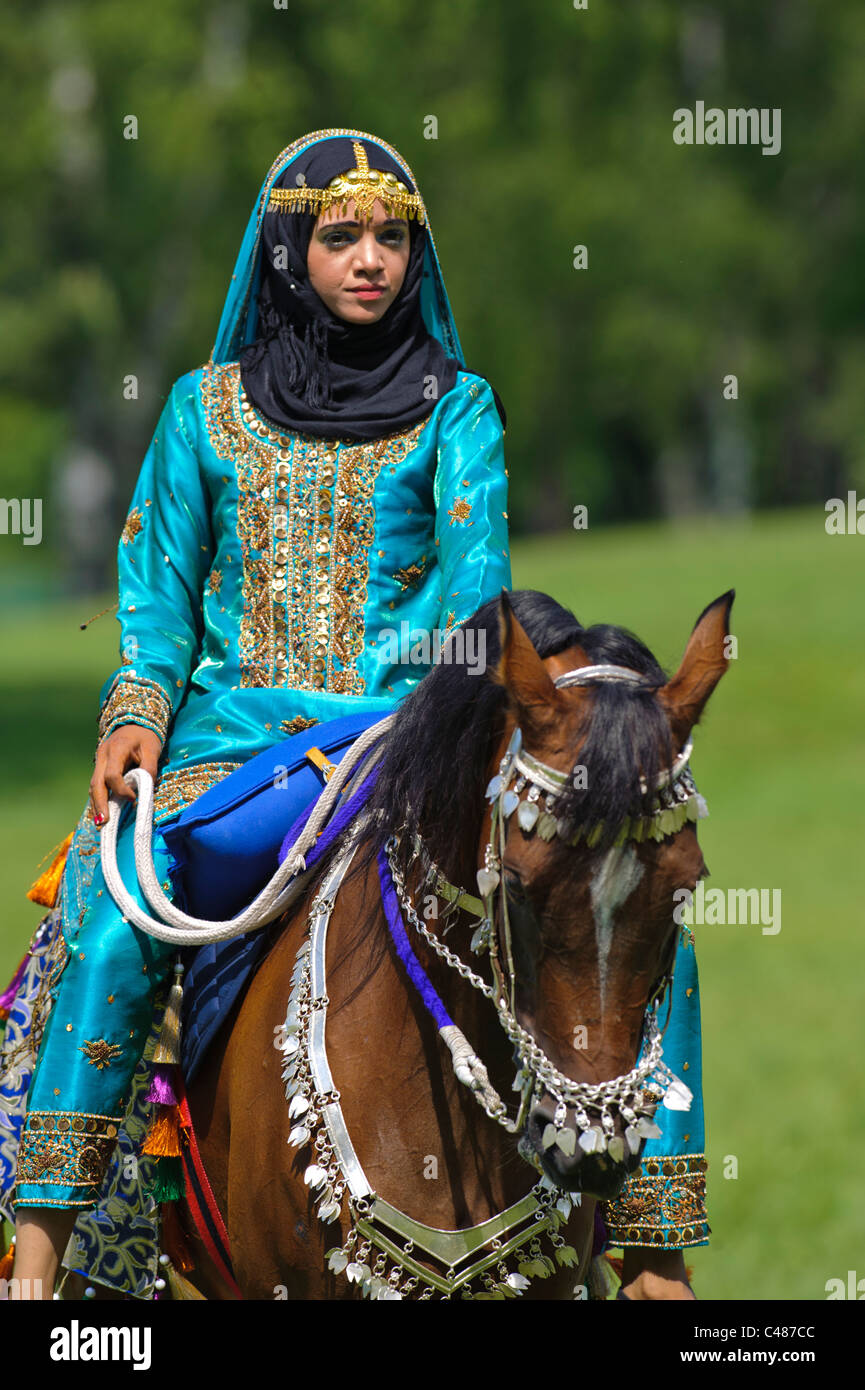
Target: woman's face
[(357, 268)]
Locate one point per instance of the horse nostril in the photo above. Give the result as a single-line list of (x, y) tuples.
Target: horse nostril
[(534, 1126)]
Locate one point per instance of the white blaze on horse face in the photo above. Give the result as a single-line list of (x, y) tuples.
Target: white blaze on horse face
[(612, 884)]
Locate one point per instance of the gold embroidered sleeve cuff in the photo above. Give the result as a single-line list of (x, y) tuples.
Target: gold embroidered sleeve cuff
[(177, 788), (64, 1149), (135, 700), (663, 1204)]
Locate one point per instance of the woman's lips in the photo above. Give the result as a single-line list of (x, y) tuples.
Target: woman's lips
[(368, 291)]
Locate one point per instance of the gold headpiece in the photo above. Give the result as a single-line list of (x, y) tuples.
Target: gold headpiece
[(361, 186)]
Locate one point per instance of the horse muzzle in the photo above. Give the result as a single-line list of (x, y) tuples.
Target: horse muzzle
[(596, 1174)]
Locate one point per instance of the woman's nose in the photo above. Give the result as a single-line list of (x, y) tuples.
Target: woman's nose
[(368, 252)]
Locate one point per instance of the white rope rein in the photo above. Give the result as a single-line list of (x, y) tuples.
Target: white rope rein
[(277, 895)]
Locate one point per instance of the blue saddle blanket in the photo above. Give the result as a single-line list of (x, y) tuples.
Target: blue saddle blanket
[(225, 847)]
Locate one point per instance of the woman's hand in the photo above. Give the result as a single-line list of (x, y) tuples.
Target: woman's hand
[(129, 746)]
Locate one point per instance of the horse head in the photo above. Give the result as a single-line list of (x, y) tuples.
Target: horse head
[(590, 832)]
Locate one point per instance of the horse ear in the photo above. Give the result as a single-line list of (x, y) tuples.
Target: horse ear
[(704, 663), (520, 669)]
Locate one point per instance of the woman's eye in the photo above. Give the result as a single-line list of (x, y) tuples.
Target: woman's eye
[(394, 236)]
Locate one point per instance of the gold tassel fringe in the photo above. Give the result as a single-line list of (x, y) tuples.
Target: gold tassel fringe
[(181, 1288), (168, 1048)]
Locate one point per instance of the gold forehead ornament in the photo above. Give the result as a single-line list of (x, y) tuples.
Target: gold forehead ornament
[(360, 185)]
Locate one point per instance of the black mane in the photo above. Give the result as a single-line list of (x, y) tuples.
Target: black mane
[(436, 763)]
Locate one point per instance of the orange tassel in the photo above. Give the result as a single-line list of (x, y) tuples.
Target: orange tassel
[(44, 890), (163, 1137), (7, 1262)]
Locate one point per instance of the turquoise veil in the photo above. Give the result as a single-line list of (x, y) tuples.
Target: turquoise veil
[(239, 316)]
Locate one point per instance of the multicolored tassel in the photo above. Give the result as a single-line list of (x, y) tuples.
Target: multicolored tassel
[(164, 1139), (162, 1090), (168, 1184), (8, 1261), (167, 1051), (44, 890)]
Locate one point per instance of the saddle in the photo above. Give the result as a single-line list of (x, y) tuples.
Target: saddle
[(226, 846)]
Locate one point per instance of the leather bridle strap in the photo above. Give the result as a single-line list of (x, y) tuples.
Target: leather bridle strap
[(456, 896)]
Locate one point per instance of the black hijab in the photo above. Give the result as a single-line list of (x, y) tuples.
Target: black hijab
[(314, 373)]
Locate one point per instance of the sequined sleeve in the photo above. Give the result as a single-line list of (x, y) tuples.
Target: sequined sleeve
[(471, 497), (663, 1204), (163, 556)]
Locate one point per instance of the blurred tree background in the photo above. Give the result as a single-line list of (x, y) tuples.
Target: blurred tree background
[(554, 130)]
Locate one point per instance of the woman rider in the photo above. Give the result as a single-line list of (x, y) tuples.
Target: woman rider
[(330, 475)]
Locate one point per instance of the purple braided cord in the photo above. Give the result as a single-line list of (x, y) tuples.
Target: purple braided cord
[(334, 827), (431, 1002)]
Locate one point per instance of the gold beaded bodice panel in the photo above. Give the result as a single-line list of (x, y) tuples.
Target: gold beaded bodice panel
[(305, 522)]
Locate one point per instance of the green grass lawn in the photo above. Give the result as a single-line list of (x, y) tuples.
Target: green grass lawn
[(780, 759)]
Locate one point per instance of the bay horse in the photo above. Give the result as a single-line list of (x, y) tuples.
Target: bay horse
[(425, 1145)]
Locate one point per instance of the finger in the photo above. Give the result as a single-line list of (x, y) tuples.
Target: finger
[(114, 778), (140, 755), (98, 804), (98, 794)]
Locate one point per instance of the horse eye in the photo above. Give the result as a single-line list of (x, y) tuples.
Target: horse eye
[(514, 886)]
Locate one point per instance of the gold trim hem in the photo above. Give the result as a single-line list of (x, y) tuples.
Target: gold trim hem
[(66, 1148), (135, 700), (178, 787), (55, 1202), (663, 1204)]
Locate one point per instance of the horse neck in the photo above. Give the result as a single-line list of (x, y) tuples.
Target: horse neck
[(470, 1010), (389, 1062)]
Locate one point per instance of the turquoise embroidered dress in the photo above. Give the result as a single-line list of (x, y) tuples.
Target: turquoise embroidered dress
[(263, 578)]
